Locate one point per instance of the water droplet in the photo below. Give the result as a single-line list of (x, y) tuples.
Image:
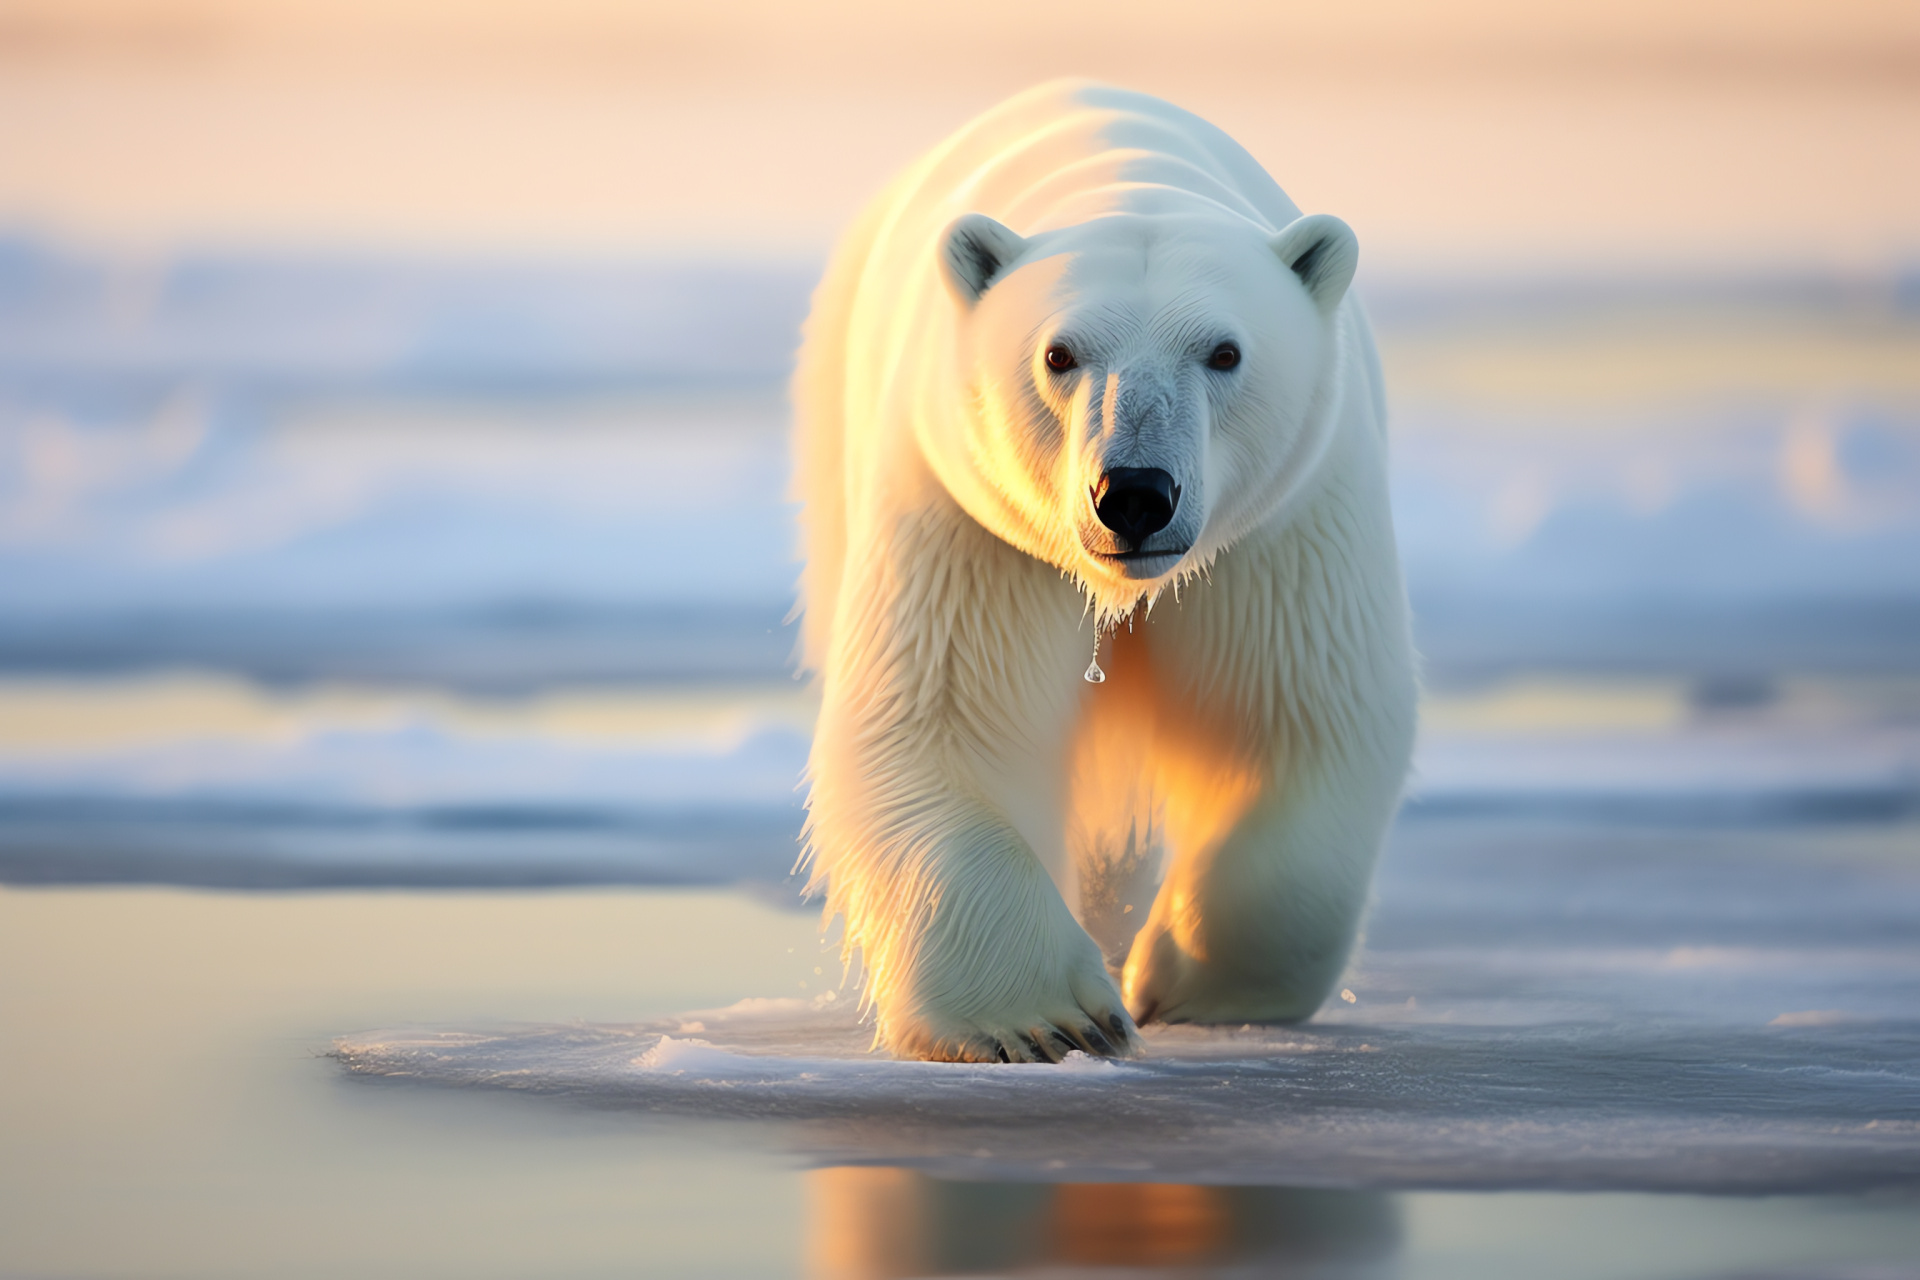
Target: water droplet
[(1094, 674)]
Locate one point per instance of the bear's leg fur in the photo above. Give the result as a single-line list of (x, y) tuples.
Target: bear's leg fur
[(1256, 925), (1285, 710), (937, 783)]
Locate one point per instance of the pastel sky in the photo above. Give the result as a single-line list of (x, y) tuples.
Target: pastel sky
[(1636, 133)]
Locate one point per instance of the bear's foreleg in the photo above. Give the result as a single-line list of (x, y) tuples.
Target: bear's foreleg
[(970, 954), (1287, 703), (949, 689), (1256, 925)]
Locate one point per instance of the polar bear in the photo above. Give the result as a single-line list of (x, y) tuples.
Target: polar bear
[(1084, 384)]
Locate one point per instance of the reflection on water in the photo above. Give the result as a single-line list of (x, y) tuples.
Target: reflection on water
[(164, 1113), (877, 1224)]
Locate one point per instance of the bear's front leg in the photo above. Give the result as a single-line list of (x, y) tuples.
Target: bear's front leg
[(1272, 863), (945, 704), (1256, 925), (970, 953), (1286, 743)]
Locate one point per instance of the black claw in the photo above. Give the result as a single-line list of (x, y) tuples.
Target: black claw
[(1118, 1024), (1078, 1037), (1034, 1048), (1097, 1043), (1069, 1042), (1002, 1051)]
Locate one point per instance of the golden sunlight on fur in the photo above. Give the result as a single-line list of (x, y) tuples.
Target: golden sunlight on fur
[(1084, 372)]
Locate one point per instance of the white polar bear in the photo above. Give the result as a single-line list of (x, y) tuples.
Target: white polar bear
[(1084, 352)]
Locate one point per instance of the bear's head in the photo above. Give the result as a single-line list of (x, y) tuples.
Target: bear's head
[(1137, 391)]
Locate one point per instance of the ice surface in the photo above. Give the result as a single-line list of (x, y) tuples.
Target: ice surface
[(211, 782), (1537, 1004), (1383, 1104)]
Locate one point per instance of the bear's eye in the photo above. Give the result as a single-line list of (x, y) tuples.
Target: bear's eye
[(1225, 356), (1060, 358)]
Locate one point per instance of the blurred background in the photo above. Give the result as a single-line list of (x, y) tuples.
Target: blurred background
[(392, 411)]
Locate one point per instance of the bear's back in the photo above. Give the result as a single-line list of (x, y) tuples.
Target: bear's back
[(1043, 158)]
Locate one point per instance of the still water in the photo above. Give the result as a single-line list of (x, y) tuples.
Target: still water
[(171, 1110)]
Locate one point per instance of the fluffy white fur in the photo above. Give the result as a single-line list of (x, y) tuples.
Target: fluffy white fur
[(1003, 839)]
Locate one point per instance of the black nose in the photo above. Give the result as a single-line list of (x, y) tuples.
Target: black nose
[(1136, 502)]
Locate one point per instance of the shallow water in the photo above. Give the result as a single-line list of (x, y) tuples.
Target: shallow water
[(171, 1108)]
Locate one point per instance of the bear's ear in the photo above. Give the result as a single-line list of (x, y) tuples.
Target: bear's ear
[(974, 251), (1321, 250)]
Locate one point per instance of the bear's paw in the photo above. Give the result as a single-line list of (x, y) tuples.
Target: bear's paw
[(1083, 1013)]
